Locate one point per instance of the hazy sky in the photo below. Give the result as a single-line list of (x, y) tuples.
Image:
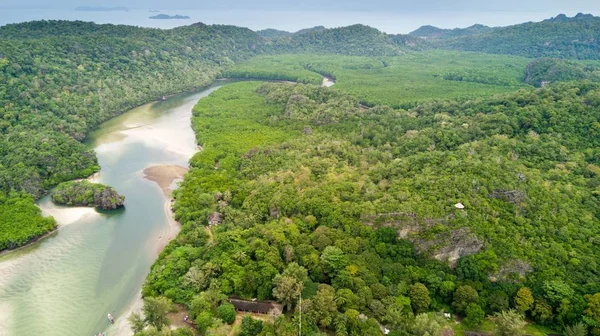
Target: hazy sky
[(372, 5), (391, 16)]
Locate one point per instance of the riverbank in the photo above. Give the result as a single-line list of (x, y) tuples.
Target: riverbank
[(166, 178)]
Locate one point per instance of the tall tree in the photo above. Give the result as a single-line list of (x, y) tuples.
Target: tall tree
[(156, 310)]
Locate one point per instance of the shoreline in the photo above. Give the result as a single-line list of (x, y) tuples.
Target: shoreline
[(164, 176)]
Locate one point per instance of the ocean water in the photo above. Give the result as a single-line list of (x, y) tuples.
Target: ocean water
[(389, 22)]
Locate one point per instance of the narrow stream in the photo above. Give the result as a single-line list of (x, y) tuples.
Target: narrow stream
[(97, 261)]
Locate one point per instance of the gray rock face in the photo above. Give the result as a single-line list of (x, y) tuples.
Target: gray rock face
[(108, 199), (448, 245), (456, 244)]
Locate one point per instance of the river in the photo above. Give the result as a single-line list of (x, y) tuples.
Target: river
[(96, 262)]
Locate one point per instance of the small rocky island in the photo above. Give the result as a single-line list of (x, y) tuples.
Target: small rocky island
[(84, 193), (170, 17)]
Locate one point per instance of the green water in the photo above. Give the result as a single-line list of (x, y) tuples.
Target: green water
[(96, 262)]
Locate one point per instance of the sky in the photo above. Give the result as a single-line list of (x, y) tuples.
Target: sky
[(373, 5), (391, 16)]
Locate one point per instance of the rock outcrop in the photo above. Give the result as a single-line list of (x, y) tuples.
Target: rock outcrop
[(84, 193)]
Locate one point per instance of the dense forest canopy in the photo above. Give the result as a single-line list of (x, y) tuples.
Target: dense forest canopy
[(60, 79), (425, 180), (314, 191), (561, 37)]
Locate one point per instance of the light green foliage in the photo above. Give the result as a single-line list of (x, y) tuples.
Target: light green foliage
[(400, 81), (509, 323), (204, 321), (156, 310), (136, 322), (287, 289), (219, 328), (428, 324), (578, 329), (333, 260)]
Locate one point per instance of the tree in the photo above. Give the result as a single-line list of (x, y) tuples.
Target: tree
[(542, 311), (399, 312), (523, 300), (593, 307), (333, 260), (557, 290), (419, 298), (156, 310), (447, 288), (287, 289), (498, 301), (136, 322), (250, 326), (509, 323), (324, 305), (219, 328), (428, 324), (227, 313), (463, 296), (578, 329), (475, 315), (295, 271), (204, 321)]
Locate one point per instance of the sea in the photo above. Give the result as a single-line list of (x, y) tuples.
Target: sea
[(389, 22)]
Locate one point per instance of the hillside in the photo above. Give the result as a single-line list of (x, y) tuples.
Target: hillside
[(494, 199), (356, 40), (560, 37), (60, 79), (431, 32), (272, 33)]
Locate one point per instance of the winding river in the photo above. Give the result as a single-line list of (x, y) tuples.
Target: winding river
[(96, 262)]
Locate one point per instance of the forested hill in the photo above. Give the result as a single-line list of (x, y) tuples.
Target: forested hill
[(60, 79), (561, 37), (431, 32), (355, 40)]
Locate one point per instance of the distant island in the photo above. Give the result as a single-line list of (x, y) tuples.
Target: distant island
[(154, 11), (101, 9), (169, 17)]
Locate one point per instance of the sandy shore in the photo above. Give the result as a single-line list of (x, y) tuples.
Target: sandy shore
[(166, 176)]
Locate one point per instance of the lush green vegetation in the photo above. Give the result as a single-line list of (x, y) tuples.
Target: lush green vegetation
[(356, 40), (315, 190), (559, 37), (401, 81), (549, 70), (21, 221), (59, 80), (84, 193)]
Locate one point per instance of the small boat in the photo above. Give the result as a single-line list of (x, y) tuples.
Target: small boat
[(111, 318), (163, 98)]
